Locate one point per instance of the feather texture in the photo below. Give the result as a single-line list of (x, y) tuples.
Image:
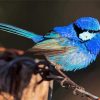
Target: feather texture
[(49, 47), (71, 55), (20, 32), (73, 47)]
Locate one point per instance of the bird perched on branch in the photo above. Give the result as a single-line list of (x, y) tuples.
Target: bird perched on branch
[(72, 46)]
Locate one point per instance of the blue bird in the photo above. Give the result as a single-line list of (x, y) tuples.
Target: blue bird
[(72, 46)]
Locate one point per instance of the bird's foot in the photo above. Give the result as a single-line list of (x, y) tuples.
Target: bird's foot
[(69, 82), (78, 88), (63, 81)]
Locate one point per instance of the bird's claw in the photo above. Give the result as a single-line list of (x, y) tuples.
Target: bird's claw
[(75, 92), (63, 81)]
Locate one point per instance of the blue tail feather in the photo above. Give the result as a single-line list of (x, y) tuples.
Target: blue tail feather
[(20, 32)]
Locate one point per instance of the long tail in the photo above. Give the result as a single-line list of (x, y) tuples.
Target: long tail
[(20, 32)]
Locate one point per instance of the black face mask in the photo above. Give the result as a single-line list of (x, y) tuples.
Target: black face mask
[(79, 30)]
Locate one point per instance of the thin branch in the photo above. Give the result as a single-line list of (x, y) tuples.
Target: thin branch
[(67, 82), (89, 95)]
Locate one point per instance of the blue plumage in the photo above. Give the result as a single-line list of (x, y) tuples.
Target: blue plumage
[(67, 31), (88, 23), (73, 46), (74, 59), (21, 32)]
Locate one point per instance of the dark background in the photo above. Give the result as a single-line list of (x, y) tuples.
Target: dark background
[(40, 16)]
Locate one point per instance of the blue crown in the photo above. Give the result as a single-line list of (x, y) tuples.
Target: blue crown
[(88, 23)]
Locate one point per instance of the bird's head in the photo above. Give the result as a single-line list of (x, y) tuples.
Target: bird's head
[(85, 30), (88, 23), (88, 32)]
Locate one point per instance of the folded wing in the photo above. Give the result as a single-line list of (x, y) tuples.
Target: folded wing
[(50, 47)]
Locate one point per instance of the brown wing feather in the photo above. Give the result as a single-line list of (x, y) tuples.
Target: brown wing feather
[(38, 51), (50, 47)]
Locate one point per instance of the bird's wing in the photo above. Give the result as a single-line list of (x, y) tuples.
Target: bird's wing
[(50, 47)]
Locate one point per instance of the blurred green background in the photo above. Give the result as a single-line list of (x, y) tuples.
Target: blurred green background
[(40, 16)]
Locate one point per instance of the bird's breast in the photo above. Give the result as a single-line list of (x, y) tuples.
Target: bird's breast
[(73, 59)]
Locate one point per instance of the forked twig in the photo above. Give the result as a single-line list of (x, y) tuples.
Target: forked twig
[(76, 88)]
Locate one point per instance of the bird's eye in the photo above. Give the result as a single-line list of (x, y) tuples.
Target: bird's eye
[(77, 29), (86, 36)]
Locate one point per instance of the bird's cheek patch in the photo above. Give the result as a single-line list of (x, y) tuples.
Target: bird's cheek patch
[(86, 36)]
